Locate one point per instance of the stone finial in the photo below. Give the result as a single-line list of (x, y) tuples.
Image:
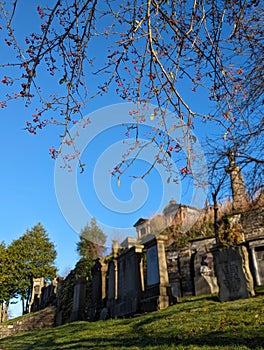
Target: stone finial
[(115, 248)]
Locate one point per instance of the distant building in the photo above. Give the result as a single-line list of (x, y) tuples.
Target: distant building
[(181, 216)]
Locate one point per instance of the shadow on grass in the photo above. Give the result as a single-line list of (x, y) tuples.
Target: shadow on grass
[(133, 336), (259, 290), (213, 298), (236, 325)]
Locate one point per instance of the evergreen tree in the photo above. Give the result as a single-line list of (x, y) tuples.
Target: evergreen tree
[(33, 256), (92, 241)]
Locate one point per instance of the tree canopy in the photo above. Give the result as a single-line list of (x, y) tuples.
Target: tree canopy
[(8, 281), (30, 256), (160, 52), (92, 241)]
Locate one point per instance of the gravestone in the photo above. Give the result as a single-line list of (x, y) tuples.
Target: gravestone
[(79, 299), (158, 290), (173, 272), (112, 281), (38, 284), (152, 266), (98, 293), (233, 273), (205, 280), (129, 282)]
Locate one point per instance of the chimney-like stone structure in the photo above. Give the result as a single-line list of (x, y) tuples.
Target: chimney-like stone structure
[(239, 192)]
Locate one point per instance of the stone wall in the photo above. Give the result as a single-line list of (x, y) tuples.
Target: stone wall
[(191, 270), (252, 222), (34, 321)]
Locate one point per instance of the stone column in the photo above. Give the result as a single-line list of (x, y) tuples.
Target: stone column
[(239, 192), (162, 263), (115, 249), (163, 272), (104, 274), (255, 265)]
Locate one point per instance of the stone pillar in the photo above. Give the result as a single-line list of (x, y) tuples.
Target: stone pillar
[(163, 272), (255, 266), (239, 192), (104, 277), (115, 248), (157, 291), (257, 254)]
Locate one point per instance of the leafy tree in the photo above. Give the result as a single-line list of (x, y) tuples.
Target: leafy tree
[(247, 151), (242, 151), (148, 51), (91, 246), (66, 291), (92, 241), (8, 281), (33, 256)]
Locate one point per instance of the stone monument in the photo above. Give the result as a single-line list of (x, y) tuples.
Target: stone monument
[(233, 274)]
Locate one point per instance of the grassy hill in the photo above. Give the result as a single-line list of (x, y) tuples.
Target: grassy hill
[(194, 323)]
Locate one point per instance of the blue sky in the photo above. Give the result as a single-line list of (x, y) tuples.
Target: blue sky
[(28, 193)]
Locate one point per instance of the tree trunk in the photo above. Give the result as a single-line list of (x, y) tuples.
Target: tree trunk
[(4, 310), (28, 298), (216, 233), (23, 305)]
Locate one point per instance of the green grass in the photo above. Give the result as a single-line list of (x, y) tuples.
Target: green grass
[(194, 323)]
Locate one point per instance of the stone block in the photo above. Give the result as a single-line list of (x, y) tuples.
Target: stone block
[(233, 273)]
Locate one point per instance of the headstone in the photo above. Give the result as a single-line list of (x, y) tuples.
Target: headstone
[(233, 273), (158, 290), (129, 282), (185, 272), (205, 280), (174, 273), (152, 266), (97, 291), (79, 299), (104, 314)]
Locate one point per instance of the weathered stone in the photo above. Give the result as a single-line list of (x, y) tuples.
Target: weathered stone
[(205, 281), (104, 314), (256, 250), (233, 273), (129, 280), (37, 320), (78, 307), (239, 192), (157, 294), (205, 285), (98, 289), (152, 266)]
